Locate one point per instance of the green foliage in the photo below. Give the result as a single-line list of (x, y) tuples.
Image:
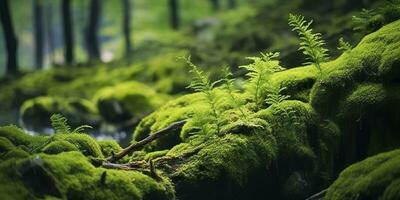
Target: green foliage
[(344, 46), (311, 43), (275, 96), (201, 83), (369, 20), (258, 72), (60, 125)]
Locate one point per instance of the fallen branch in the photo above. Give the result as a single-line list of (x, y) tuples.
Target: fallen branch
[(150, 138)]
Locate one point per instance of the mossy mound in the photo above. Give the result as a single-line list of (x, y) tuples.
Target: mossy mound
[(377, 177), (64, 171), (70, 175), (108, 147), (128, 100), (35, 113)]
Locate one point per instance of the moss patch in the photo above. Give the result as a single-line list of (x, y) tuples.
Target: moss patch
[(374, 178)]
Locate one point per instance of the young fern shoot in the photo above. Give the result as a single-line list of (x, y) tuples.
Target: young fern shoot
[(344, 46), (311, 43), (60, 125), (202, 84), (258, 72), (275, 96)]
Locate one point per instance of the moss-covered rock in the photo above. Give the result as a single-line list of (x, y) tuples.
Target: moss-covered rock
[(377, 177), (70, 175), (35, 113), (128, 100)]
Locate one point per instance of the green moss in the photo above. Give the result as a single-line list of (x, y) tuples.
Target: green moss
[(297, 81), (15, 154), (371, 60), (127, 100), (86, 144), (374, 178), (70, 175), (155, 154), (35, 113), (18, 137), (57, 147), (223, 167), (179, 109), (109, 146)]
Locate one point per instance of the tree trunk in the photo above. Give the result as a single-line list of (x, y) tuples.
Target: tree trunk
[(174, 12), (38, 28), (215, 5), (231, 4), (50, 32), (92, 43), (127, 26), (9, 37), (68, 31)]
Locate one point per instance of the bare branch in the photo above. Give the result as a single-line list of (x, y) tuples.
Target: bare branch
[(172, 127)]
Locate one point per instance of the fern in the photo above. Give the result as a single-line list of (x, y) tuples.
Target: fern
[(81, 128), (60, 124), (201, 83), (344, 46), (258, 72), (311, 43), (275, 96)]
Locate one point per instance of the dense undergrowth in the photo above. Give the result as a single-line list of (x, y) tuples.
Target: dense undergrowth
[(276, 133)]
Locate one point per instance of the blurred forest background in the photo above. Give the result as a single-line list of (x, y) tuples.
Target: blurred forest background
[(43, 26)]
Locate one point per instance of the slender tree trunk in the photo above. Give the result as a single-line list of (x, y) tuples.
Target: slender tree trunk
[(68, 31), (50, 32), (9, 37), (231, 4), (39, 36), (215, 5), (174, 12), (127, 26), (91, 38)]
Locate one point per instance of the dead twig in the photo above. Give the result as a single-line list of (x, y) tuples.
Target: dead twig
[(172, 127)]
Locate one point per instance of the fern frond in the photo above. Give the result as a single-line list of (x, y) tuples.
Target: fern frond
[(344, 46), (311, 43), (59, 124), (275, 96), (259, 71), (81, 128), (201, 83)]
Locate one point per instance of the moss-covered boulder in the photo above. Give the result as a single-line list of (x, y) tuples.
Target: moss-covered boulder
[(128, 100), (35, 113), (64, 170), (108, 147), (70, 175), (377, 177)]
